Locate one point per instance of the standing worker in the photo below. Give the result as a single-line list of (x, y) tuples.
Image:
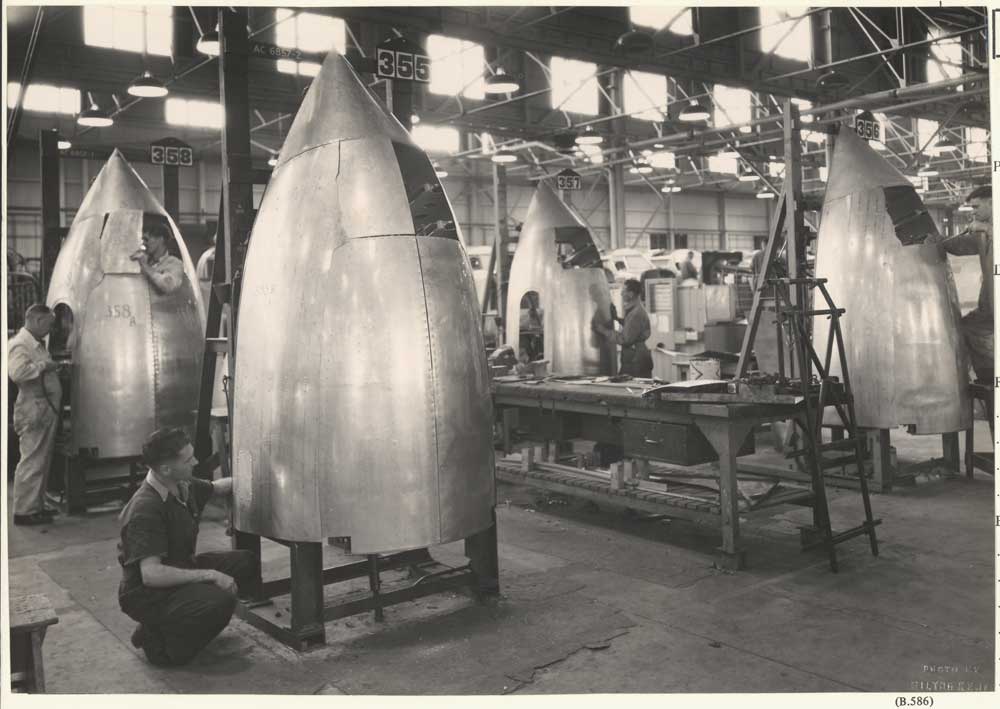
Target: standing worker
[(635, 358), (36, 414), (180, 599), (977, 240), (688, 269), (164, 271)]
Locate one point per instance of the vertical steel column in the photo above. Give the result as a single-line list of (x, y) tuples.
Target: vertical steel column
[(171, 192), (721, 206), (616, 174), (237, 173), (794, 241), (48, 151), (481, 549), (237, 190), (502, 237)]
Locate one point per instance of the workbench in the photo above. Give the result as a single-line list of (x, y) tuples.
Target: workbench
[(683, 428)]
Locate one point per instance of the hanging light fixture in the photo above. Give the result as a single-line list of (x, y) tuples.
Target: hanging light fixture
[(94, 117), (414, 119), (694, 112), (658, 146), (439, 171), (965, 208), (675, 189), (832, 80), (147, 86), (501, 83), (273, 160), (765, 194), (504, 157), (208, 43), (589, 137), (745, 174), (927, 170), (64, 144), (645, 169), (634, 42), (945, 144)]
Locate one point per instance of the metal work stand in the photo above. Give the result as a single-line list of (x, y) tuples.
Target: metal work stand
[(304, 627)]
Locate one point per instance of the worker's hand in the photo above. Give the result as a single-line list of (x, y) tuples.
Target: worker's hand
[(140, 256), (50, 366), (224, 581)]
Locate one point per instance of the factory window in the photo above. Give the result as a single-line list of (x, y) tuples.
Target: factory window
[(674, 19), (680, 241), (759, 242), (945, 60), (977, 145), (659, 240), (45, 98), (436, 139), (731, 106), (925, 134), (309, 32), (645, 95), (457, 67), (147, 29), (198, 114), (791, 37), (574, 85)]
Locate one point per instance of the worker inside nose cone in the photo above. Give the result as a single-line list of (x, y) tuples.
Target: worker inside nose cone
[(164, 270)]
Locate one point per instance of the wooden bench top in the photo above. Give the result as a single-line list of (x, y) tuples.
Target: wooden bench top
[(31, 611)]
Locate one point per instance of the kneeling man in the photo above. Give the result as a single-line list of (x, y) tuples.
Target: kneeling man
[(181, 599)]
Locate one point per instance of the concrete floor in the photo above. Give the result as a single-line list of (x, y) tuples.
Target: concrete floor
[(592, 600)]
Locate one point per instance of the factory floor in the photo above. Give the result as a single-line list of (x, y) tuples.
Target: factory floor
[(593, 600)]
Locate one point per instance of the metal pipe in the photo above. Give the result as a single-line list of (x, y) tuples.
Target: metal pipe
[(14, 120)]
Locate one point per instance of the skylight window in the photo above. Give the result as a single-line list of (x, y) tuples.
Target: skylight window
[(977, 146), (673, 19), (309, 32), (791, 38), (193, 113), (133, 28), (457, 67), (436, 139), (44, 98), (945, 60), (731, 106), (645, 95), (574, 86)]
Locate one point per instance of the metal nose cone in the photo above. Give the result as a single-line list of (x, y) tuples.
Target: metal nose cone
[(557, 268), (361, 405), (906, 358), (136, 352)]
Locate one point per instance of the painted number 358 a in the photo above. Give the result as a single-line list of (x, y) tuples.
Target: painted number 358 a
[(121, 312)]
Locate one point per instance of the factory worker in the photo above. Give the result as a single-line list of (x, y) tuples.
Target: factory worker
[(164, 270), (181, 600), (688, 269), (36, 413), (977, 240), (635, 357)]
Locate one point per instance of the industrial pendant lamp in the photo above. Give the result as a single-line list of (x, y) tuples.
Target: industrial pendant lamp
[(501, 83), (634, 42), (765, 194), (965, 208), (147, 86), (694, 112), (504, 157), (64, 144), (589, 137), (927, 170), (208, 43), (745, 174), (945, 144), (94, 117)]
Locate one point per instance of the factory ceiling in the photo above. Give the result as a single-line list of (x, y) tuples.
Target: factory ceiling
[(873, 51)]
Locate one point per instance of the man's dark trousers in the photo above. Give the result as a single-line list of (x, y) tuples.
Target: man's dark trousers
[(179, 621)]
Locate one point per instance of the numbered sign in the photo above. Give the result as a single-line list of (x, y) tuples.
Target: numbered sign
[(408, 66), (569, 180), (171, 155), (867, 127)]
